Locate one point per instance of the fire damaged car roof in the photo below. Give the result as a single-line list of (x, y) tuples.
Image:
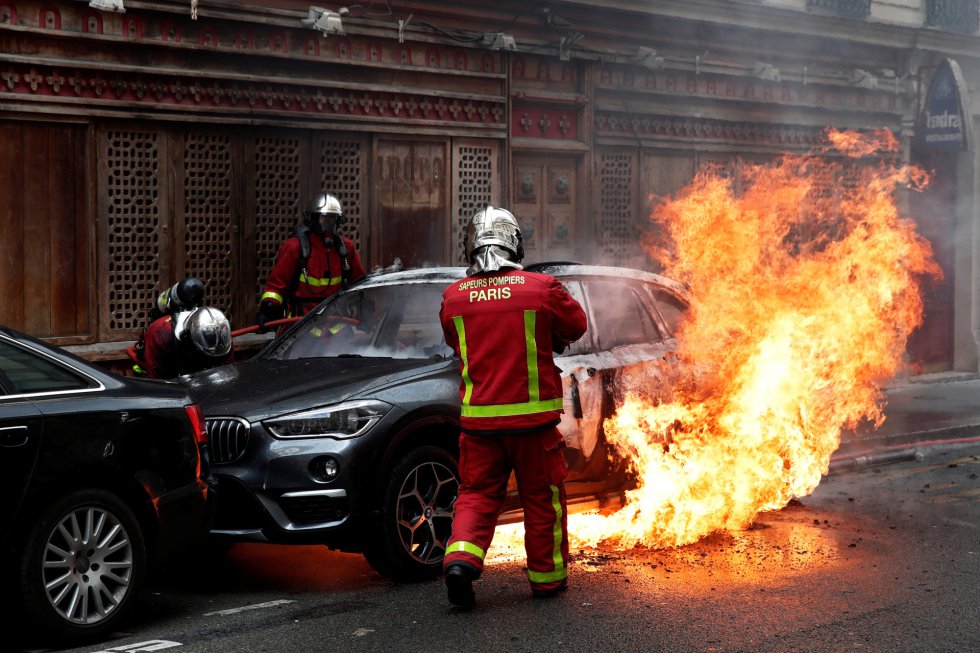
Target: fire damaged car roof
[(556, 268), (344, 430)]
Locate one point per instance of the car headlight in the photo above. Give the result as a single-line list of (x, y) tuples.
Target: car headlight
[(348, 420)]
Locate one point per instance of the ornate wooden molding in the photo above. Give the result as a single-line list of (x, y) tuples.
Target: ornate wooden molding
[(709, 130), (129, 90), (535, 122), (47, 19), (613, 79)]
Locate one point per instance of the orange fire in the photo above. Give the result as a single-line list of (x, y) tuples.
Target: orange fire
[(805, 289)]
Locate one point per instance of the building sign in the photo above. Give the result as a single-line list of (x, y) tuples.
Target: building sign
[(944, 120)]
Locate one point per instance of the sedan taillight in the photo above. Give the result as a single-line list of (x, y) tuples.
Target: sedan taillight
[(196, 416)]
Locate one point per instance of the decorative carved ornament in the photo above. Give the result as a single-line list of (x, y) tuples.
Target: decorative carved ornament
[(617, 79), (135, 25), (705, 129), (172, 91), (544, 123)]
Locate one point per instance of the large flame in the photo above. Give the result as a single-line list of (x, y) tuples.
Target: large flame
[(804, 293)]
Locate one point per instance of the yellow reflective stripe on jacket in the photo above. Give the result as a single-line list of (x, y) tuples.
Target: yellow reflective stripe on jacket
[(466, 547), (560, 572), (334, 330), (273, 295), (467, 381), (508, 410), (533, 389), (314, 281), (534, 404)]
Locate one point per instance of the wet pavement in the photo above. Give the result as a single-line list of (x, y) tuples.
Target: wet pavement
[(930, 409)]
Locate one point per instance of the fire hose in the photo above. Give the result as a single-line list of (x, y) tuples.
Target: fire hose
[(268, 325), (884, 458), (895, 454)]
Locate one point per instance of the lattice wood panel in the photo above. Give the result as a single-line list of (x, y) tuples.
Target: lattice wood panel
[(617, 204), (475, 184), (207, 237), (343, 172), (132, 187), (278, 177)]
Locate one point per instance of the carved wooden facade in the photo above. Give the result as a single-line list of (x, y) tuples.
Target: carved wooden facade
[(191, 164), (142, 147)]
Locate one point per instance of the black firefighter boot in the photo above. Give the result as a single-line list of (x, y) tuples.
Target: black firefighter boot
[(459, 585)]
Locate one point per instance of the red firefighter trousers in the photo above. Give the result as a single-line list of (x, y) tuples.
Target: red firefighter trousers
[(485, 463)]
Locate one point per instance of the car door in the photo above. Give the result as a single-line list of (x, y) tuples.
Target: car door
[(628, 341), (21, 427), (581, 421)]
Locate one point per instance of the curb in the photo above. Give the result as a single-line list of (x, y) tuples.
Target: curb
[(946, 435), (902, 448)]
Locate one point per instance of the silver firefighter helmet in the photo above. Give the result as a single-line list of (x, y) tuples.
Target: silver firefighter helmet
[(204, 330), (493, 241), (324, 213)]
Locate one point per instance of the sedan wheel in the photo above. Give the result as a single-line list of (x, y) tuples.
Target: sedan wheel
[(417, 516), (83, 563)]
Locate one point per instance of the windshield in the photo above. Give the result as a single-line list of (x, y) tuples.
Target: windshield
[(385, 321)]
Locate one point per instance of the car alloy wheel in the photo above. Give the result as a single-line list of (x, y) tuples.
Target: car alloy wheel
[(416, 516), (425, 510), (82, 564)]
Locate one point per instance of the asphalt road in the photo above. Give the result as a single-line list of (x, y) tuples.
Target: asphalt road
[(877, 559)]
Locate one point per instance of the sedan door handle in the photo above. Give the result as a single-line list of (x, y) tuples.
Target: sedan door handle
[(13, 436)]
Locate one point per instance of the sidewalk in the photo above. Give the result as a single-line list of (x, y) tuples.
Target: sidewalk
[(930, 408)]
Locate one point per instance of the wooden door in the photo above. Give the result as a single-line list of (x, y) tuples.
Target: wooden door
[(411, 191), (545, 192), (46, 273)]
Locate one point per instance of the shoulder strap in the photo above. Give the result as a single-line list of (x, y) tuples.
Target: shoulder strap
[(302, 232), (345, 271)]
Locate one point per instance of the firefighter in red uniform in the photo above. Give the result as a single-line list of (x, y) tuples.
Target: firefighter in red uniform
[(310, 268), (182, 336), (504, 324), (186, 342)]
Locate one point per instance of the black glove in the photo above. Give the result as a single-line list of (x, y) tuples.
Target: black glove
[(267, 312)]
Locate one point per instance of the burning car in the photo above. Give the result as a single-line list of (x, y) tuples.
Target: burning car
[(344, 430)]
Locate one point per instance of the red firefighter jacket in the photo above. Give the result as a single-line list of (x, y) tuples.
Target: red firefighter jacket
[(503, 326), (160, 353), (321, 278)]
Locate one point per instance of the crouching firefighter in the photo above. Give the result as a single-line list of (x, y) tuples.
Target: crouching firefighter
[(313, 264), (505, 324), (183, 336)]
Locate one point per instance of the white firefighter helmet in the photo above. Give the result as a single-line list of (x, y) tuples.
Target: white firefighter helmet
[(320, 207), (493, 241), (204, 330)]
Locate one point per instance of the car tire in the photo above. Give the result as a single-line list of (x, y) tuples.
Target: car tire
[(416, 516), (82, 565)]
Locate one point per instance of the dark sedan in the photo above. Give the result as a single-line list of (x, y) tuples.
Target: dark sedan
[(100, 477), (345, 430)]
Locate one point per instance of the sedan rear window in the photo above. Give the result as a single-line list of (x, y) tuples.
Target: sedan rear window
[(24, 372)]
